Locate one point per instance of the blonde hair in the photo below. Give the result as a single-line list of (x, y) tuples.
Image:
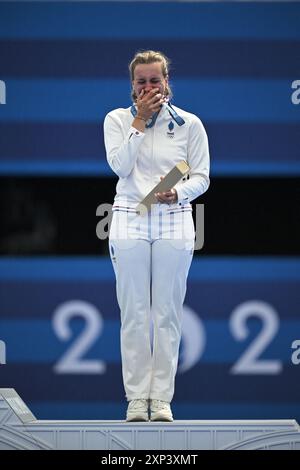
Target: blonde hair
[(149, 57)]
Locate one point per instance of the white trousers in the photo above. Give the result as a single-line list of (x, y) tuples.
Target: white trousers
[(151, 275)]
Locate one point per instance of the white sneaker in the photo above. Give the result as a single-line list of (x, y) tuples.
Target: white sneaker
[(160, 411), (137, 410)]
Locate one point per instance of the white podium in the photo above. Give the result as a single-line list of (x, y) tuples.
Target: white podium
[(19, 429)]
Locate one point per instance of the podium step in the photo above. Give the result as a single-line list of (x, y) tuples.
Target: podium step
[(19, 429)]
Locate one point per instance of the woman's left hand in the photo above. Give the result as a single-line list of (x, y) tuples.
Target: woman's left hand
[(168, 197)]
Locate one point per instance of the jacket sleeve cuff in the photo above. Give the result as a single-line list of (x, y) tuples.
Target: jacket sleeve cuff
[(133, 131), (181, 199)]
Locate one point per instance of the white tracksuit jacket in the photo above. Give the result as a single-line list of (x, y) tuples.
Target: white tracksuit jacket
[(151, 277), (140, 158)]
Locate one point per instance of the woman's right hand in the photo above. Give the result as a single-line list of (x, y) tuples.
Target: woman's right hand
[(149, 103)]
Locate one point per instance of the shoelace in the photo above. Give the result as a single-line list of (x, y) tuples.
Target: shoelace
[(138, 404), (159, 405)]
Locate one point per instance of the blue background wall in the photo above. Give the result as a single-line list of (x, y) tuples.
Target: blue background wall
[(65, 67)]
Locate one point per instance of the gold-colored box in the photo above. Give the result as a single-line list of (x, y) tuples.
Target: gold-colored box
[(167, 183)]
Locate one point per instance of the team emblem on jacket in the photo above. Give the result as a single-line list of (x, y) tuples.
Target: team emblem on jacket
[(171, 127)]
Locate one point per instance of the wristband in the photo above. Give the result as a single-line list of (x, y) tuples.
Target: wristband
[(139, 117)]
